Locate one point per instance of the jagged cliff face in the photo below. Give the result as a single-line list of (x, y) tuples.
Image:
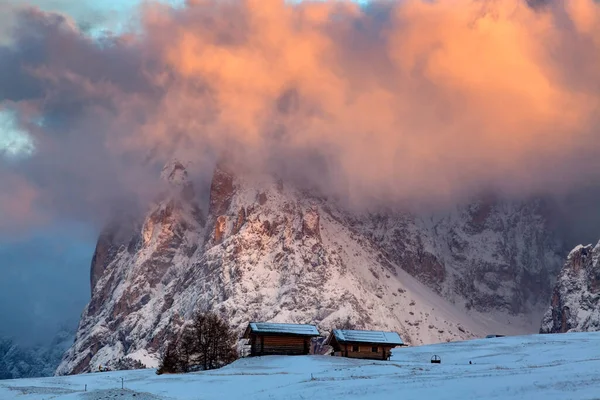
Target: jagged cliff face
[(488, 255), (267, 251), (575, 304)]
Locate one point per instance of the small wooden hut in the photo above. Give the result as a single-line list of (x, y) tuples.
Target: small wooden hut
[(279, 339), (374, 345)]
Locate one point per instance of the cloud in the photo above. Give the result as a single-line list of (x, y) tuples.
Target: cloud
[(406, 101), (17, 203)]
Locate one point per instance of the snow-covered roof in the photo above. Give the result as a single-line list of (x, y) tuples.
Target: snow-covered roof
[(379, 337), (287, 329)]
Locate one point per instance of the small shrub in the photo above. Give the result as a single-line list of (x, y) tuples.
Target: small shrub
[(128, 363)]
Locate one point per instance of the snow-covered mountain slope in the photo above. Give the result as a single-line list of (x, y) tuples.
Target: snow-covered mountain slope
[(489, 255), (575, 305), (524, 367), (19, 361), (268, 251)]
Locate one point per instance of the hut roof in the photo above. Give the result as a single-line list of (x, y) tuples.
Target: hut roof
[(375, 337), (282, 329)]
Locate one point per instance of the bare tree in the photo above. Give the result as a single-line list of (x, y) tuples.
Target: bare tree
[(187, 348), (207, 343), (214, 341)]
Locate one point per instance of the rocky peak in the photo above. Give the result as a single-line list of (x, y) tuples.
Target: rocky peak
[(175, 212), (575, 304), (119, 233), (179, 187), (174, 172), (221, 190)]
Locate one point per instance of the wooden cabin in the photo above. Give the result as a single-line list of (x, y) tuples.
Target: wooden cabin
[(279, 339), (376, 345)]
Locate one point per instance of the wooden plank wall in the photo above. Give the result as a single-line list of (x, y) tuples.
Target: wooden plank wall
[(365, 352), (285, 345)]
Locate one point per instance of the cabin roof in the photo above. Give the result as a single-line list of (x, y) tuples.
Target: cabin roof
[(375, 337), (282, 329)]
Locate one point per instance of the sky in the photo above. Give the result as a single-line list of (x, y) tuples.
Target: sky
[(43, 286), (44, 269), (389, 103), (93, 16)]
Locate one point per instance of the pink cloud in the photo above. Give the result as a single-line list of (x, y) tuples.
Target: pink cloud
[(404, 101)]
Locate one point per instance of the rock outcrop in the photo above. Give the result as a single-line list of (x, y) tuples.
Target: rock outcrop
[(575, 304)]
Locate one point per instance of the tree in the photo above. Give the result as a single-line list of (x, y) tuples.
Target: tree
[(207, 343), (187, 348), (213, 341), (170, 360)]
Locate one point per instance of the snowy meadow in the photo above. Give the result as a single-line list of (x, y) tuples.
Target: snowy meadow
[(561, 366)]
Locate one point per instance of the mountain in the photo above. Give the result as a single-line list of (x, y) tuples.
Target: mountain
[(19, 361), (575, 305), (262, 249)]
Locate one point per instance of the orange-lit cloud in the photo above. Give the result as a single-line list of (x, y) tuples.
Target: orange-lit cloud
[(438, 98), (400, 101)]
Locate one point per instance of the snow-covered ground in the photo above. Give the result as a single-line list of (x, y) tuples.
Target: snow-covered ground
[(562, 366)]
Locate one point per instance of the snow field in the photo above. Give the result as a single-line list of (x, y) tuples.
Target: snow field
[(565, 366)]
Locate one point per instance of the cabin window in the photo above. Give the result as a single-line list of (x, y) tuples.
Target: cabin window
[(355, 348), (374, 349)]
